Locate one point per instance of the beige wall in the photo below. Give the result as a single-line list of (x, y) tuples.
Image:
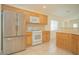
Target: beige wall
[(61, 21), (0, 28), (71, 22)]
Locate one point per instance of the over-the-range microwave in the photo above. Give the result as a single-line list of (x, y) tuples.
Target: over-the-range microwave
[(34, 19)]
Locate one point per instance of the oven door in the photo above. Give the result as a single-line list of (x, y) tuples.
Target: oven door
[(37, 37)]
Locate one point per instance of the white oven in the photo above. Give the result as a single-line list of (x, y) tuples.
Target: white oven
[(36, 37)]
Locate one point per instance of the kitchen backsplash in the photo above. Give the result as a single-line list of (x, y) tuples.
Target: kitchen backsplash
[(35, 27)]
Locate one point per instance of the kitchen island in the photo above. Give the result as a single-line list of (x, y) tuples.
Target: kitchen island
[(68, 39)]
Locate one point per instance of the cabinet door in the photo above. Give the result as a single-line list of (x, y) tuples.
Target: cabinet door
[(9, 23), (28, 39), (75, 44), (46, 36), (43, 19), (68, 42), (59, 40), (78, 44)]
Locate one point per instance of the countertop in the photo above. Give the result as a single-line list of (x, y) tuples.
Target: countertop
[(72, 31)]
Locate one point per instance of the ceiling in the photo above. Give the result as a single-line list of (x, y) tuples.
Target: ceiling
[(67, 11)]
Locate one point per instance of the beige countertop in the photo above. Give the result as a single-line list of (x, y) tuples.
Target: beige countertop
[(72, 31)]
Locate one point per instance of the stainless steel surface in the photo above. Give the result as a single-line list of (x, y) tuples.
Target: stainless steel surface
[(20, 22), (12, 45), (9, 23), (13, 36)]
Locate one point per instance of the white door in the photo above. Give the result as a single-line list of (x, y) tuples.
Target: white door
[(54, 28), (54, 25)]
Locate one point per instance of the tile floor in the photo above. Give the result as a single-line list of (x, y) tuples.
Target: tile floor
[(43, 49)]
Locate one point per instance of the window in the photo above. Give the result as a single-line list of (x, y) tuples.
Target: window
[(54, 25), (75, 25)]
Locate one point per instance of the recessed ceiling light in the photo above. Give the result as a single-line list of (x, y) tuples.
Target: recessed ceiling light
[(44, 6)]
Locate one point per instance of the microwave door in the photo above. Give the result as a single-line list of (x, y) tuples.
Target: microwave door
[(9, 23)]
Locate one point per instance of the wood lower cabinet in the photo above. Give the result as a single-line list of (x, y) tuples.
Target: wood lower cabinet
[(68, 42), (46, 36), (75, 44), (28, 39)]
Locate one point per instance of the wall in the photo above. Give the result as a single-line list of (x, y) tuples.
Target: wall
[(0, 28), (68, 25), (71, 22), (53, 33), (47, 27)]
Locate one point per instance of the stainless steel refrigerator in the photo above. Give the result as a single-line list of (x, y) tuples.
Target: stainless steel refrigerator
[(13, 32)]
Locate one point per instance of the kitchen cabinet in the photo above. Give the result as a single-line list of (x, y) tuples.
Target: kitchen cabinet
[(59, 40), (28, 39), (46, 36), (76, 44), (77, 37), (43, 19), (68, 42)]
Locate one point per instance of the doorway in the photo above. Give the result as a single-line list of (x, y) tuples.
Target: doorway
[(53, 28)]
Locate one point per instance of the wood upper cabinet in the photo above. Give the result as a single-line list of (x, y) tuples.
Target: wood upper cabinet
[(28, 39), (43, 19), (46, 36)]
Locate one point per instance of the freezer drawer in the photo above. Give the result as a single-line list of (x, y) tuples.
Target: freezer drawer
[(9, 45), (20, 44), (12, 45)]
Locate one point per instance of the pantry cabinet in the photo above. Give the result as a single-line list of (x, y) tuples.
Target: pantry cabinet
[(28, 39), (46, 36), (68, 42)]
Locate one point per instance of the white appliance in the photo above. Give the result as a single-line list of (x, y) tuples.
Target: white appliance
[(34, 19), (13, 35), (36, 37)]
